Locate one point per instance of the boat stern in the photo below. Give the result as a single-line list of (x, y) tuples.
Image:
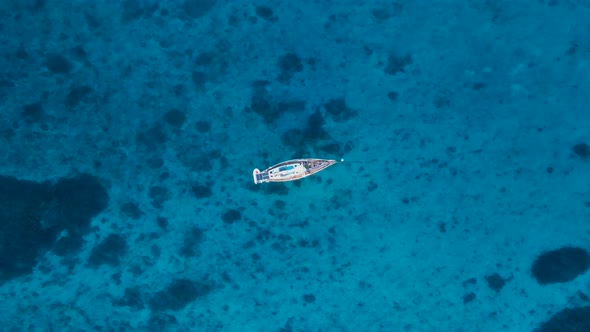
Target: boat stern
[(259, 177)]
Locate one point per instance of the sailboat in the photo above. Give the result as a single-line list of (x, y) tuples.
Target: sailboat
[(291, 170)]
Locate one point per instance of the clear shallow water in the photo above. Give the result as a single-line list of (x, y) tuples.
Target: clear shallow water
[(129, 132)]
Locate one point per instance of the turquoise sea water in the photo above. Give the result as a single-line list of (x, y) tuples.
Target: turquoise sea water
[(129, 131)]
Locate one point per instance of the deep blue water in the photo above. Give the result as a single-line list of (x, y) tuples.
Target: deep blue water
[(129, 131)]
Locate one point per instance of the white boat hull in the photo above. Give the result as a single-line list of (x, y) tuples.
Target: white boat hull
[(291, 170)]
